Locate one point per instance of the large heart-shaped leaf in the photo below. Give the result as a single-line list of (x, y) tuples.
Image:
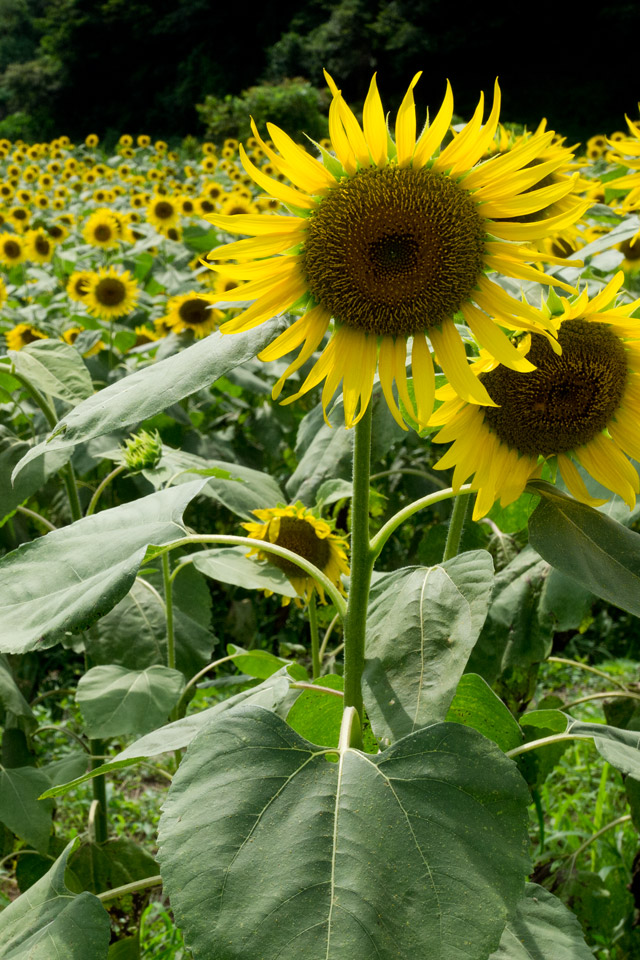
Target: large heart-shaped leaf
[(154, 388), (421, 628), (542, 929), (115, 701), (49, 921), (70, 578), (594, 550), (268, 850), (20, 809)]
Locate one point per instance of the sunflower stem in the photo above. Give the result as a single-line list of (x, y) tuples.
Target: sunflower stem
[(102, 486), (316, 664), (168, 602), (362, 557), (456, 523)]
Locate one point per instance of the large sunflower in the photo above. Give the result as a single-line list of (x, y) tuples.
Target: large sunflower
[(110, 293), (297, 529), (391, 240), (583, 406), (193, 311)]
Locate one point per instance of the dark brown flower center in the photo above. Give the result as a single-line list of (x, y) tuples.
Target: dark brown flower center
[(110, 292), (394, 251), (300, 537), (195, 311), (568, 399)]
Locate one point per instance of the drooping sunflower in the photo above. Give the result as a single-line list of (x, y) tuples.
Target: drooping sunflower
[(11, 249), (110, 293), (38, 246), (78, 284), (391, 240), (193, 311), (22, 334), (581, 406), (297, 529)]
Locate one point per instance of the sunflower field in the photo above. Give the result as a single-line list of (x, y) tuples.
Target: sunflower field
[(319, 568)]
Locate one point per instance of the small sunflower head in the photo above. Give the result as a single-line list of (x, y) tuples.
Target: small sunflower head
[(142, 451), (298, 529)]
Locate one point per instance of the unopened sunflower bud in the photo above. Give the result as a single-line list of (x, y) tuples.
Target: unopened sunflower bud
[(142, 451)]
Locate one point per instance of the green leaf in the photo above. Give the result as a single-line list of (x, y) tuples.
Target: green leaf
[(272, 694), (10, 696), (621, 748), (154, 388), (317, 716), (54, 367), (422, 624), (116, 702), (515, 634), (134, 633), (98, 867), (373, 856), (49, 921), (232, 565), (12, 450), (261, 664), (70, 578), (239, 488), (20, 809), (542, 929), (476, 705), (595, 551), (538, 764)]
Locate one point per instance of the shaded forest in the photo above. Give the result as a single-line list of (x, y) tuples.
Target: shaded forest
[(106, 66)]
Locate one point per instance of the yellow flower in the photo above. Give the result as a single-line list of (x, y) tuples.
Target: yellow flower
[(38, 246), (392, 240), (71, 335), (582, 405), (192, 311), (297, 529), (163, 213), (78, 284), (11, 249), (19, 336), (101, 230), (92, 140), (111, 293)]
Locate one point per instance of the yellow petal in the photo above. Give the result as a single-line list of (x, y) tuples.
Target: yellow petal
[(453, 151), (351, 126), (277, 300), (359, 351), (433, 135), (513, 268), (530, 202), (274, 188), (315, 175), (386, 366), (575, 483), (477, 145), (490, 336), (406, 125), (254, 225), (256, 288), (258, 247), (424, 382), (497, 167), (375, 128), (339, 140), (453, 360)]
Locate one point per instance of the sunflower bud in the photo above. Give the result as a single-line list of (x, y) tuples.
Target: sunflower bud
[(142, 451)]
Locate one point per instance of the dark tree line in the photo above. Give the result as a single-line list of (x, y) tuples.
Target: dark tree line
[(107, 66)]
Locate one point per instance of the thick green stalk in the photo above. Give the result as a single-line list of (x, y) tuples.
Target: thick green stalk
[(456, 523), (362, 558), (99, 789), (316, 663), (168, 602)]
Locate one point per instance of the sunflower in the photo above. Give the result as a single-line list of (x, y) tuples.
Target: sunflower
[(92, 140), (38, 246), (163, 213), (111, 293), (101, 230), (19, 336), (4, 294), (192, 311), (582, 405), (71, 335), (78, 284), (11, 249), (392, 240), (297, 529)]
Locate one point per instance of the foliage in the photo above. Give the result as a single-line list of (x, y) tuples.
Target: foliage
[(294, 105)]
